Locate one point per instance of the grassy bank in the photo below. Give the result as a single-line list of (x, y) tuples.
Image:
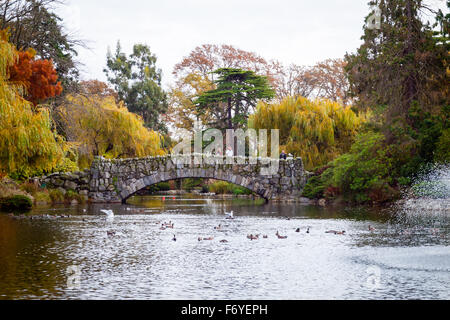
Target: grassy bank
[(15, 196)]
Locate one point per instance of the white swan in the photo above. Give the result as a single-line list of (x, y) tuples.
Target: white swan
[(230, 215), (109, 213)]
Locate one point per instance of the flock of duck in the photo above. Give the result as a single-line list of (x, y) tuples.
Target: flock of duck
[(37, 217), (170, 225), (229, 216)]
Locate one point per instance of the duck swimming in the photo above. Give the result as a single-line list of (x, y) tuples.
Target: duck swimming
[(336, 232), (169, 225), (280, 236), (298, 230), (174, 238)]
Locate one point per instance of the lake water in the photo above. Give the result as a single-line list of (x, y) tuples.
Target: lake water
[(407, 256)]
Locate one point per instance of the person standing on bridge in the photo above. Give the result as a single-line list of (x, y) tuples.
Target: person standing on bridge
[(229, 152), (283, 155)]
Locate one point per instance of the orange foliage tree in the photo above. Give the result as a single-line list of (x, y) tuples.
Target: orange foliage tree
[(37, 76), (326, 79), (207, 58)]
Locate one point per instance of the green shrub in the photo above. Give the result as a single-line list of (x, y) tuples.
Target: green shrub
[(223, 187), (362, 175), (205, 188), (220, 187), (42, 196), (238, 190), (56, 195), (190, 184), (73, 195), (16, 203), (442, 153), (314, 188), (162, 186)]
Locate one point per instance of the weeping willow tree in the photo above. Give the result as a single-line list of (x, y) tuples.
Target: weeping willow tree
[(318, 131), (99, 126), (28, 146)]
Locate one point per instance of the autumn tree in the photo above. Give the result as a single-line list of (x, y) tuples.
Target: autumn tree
[(401, 72), (326, 79), (195, 75), (182, 108), (399, 63), (295, 81), (237, 93), (99, 126), (138, 83), (316, 130), (38, 77), (207, 58), (331, 81), (34, 24), (28, 145), (96, 87)]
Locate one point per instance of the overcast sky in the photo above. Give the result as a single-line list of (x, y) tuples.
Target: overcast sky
[(292, 31)]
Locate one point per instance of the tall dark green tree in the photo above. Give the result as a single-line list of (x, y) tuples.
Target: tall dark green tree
[(237, 93), (138, 83), (400, 64)]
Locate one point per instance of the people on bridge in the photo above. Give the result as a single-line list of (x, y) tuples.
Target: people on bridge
[(229, 152), (283, 155)]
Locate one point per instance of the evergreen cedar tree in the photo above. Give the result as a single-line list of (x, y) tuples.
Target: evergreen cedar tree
[(237, 93)]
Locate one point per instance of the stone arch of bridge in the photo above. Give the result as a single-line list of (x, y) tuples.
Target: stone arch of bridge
[(147, 181)]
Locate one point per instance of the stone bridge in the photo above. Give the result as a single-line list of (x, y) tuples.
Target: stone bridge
[(117, 180)]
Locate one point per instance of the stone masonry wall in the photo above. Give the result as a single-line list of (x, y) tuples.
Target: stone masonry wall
[(117, 180)]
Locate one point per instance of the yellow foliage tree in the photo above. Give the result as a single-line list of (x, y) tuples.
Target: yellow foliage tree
[(182, 110), (318, 131), (101, 127), (28, 146)]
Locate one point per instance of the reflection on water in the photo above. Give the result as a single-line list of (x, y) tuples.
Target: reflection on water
[(140, 261)]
